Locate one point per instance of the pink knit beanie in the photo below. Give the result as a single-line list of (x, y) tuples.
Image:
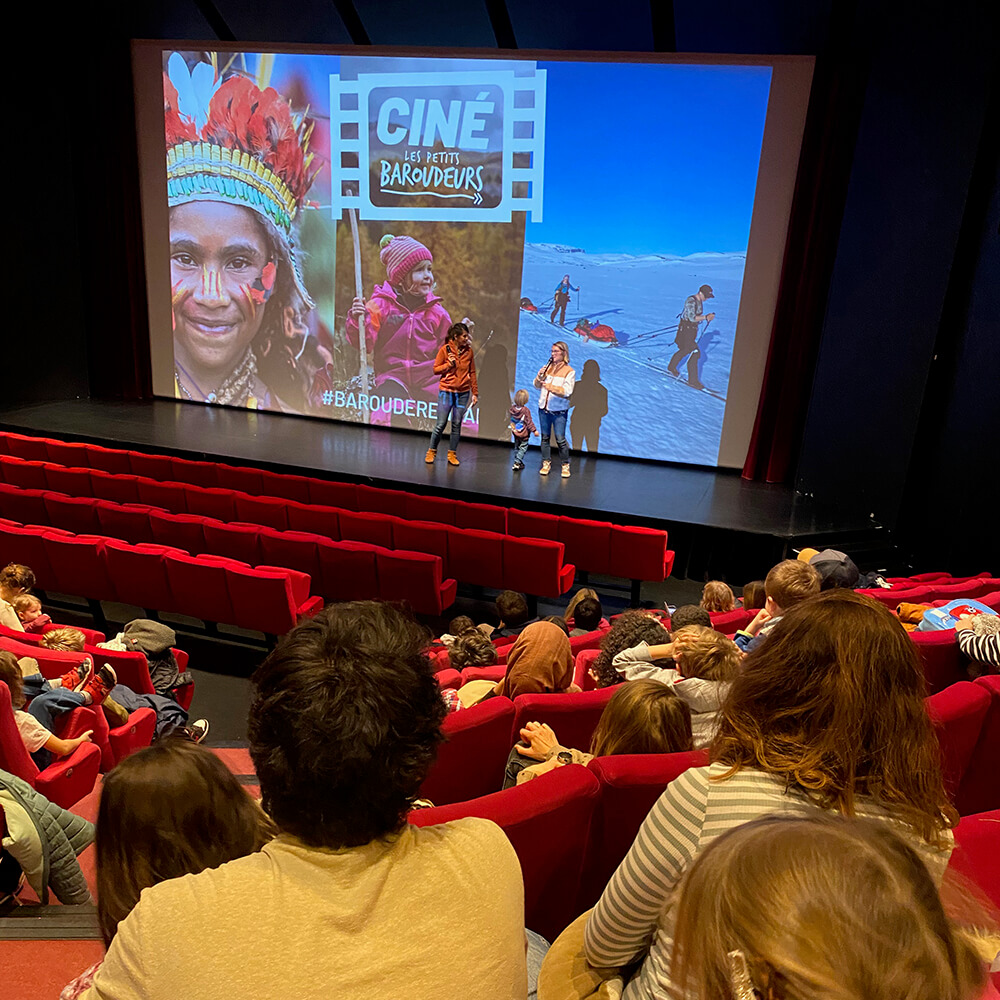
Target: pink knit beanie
[(401, 254)]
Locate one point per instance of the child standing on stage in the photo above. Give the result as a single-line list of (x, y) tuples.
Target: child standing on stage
[(521, 428), (405, 324), (457, 390)]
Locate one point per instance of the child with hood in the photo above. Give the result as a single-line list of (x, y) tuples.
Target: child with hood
[(705, 664), (405, 323)]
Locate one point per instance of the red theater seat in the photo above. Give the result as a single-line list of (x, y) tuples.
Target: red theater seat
[(639, 553), (269, 511), (630, 784), (78, 565), (112, 460), (270, 599), (72, 482), (32, 449), (574, 717), (27, 475), (422, 536), (414, 577), (581, 672), (347, 571), (375, 529), (132, 735), (187, 470), (378, 501), (129, 522), (497, 672), (169, 496), (316, 519), (730, 622), (63, 782), (476, 557), (421, 508), (532, 524), (958, 714), (548, 823), (236, 541), (535, 566), (26, 545), (471, 761), (448, 678), (588, 543), (201, 582), (22, 505), (329, 494), (211, 501), (484, 516), (980, 788), (893, 598), (114, 487), (159, 467), (69, 453), (183, 531), (139, 573), (940, 659), (241, 478), (976, 856)]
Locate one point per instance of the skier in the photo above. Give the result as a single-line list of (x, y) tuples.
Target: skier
[(687, 335), (561, 300)]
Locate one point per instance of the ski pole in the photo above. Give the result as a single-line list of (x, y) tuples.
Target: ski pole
[(352, 214)]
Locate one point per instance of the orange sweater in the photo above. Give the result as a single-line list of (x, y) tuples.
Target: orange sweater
[(462, 377)]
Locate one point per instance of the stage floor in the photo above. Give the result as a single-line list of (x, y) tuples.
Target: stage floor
[(603, 487)]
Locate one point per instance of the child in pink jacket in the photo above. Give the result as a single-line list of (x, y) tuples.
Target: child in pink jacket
[(405, 324)]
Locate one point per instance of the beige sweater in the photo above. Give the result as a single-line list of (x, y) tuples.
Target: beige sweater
[(433, 913)]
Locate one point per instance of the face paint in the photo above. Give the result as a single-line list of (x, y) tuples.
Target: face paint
[(260, 291), (211, 283), (177, 296)]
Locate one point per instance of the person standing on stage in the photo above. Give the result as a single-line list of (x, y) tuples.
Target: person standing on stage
[(561, 300), (457, 390), (687, 335), (556, 380)]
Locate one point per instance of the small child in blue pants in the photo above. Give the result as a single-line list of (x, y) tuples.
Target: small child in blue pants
[(521, 427)]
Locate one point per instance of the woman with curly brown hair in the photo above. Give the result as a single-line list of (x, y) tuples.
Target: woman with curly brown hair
[(828, 714), (630, 630)]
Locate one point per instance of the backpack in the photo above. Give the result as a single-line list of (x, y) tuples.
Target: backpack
[(945, 617)]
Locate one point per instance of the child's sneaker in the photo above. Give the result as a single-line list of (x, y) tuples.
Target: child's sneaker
[(565, 471), (545, 469), (100, 684), (517, 467), (197, 731), (116, 714), (74, 679)]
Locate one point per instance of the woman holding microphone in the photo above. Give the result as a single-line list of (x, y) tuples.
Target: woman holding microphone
[(556, 380), (457, 368)]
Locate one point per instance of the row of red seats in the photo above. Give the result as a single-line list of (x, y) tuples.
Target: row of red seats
[(472, 762), (595, 546), (572, 827), (483, 558), (936, 591), (339, 571), (269, 599)]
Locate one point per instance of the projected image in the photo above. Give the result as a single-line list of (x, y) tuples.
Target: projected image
[(331, 216)]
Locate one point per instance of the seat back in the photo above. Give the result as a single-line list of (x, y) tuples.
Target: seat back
[(980, 788), (588, 543), (976, 856), (262, 599), (574, 717), (638, 553), (347, 571), (414, 577), (128, 522), (78, 565), (26, 506), (548, 823), (940, 658), (958, 714), (471, 761), (234, 540), (728, 622), (533, 565), (201, 586), (140, 573), (476, 557), (14, 758), (581, 671), (630, 784)]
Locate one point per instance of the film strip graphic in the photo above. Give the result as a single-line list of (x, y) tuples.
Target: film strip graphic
[(466, 146)]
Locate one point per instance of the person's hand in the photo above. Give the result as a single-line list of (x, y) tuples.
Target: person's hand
[(760, 620), (537, 434), (538, 740), (357, 309), (709, 317), (82, 738), (965, 622), (474, 400)]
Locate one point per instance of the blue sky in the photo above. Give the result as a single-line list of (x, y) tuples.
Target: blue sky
[(643, 158)]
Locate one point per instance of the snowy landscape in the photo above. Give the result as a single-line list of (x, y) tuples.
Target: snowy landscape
[(650, 414)]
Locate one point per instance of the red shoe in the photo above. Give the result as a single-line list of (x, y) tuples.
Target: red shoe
[(100, 684), (74, 679)]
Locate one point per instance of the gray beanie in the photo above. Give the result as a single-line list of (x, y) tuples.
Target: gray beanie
[(149, 637)]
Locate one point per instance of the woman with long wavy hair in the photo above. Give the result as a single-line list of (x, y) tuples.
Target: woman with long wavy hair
[(829, 715)]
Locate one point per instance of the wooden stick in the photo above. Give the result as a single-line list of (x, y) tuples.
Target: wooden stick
[(352, 214)]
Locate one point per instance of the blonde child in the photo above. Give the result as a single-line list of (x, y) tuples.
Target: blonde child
[(705, 664), (717, 596), (28, 609), (521, 427)]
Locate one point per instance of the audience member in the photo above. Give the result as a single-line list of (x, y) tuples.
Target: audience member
[(835, 568), (717, 596), (642, 717), (689, 614), (154, 640), (472, 649), (539, 662), (818, 906), (787, 585), (587, 616), (978, 638), (37, 738), (754, 595), (169, 810), (459, 625), (705, 664), (15, 580), (28, 609), (629, 630), (558, 621), (512, 608), (828, 714), (349, 898), (581, 595), (121, 700)]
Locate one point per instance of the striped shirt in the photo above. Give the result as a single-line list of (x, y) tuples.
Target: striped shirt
[(983, 649), (635, 912)]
